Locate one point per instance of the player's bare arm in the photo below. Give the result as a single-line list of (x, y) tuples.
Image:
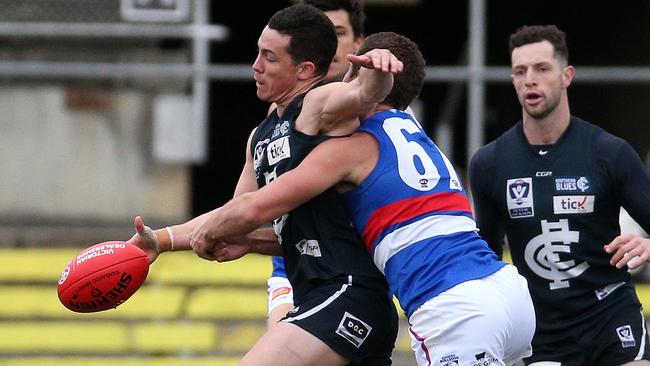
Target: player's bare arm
[(334, 108), (247, 182), (328, 164)]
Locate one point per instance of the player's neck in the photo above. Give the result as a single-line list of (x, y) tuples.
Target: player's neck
[(546, 130), (378, 108), (300, 88)]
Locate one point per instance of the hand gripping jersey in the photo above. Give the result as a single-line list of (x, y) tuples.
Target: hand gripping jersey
[(559, 205), (318, 240), (414, 215)]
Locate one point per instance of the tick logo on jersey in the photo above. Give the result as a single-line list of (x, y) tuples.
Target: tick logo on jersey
[(449, 360), (353, 329), (519, 196), (573, 204), (278, 150), (626, 336), (542, 254), (572, 184), (309, 247)]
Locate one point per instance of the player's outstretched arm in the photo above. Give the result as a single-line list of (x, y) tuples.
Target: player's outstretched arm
[(336, 107)]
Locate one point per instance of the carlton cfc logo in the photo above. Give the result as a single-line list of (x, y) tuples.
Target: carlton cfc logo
[(543, 252)]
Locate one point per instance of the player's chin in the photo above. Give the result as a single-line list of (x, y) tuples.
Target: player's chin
[(263, 95)]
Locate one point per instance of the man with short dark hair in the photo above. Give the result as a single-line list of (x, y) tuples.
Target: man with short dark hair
[(348, 17), (554, 184)]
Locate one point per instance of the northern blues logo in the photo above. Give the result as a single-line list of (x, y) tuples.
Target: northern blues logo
[(573, 184)]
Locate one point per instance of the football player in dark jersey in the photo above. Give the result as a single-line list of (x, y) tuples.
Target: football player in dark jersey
[(343, 310), (348, 17), (554, 184)]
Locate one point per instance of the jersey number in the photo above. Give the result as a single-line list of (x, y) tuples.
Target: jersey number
[(415, 167)]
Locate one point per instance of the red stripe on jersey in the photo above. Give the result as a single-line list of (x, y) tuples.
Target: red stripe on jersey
[(409, 208)]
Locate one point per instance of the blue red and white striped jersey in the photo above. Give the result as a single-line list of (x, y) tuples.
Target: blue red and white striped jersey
[(414, 215)]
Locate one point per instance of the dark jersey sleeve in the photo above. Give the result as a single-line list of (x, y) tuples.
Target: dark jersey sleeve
[(481, 172), (630, 177)]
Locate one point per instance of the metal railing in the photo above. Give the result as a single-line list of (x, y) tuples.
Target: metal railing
[(476, 74)]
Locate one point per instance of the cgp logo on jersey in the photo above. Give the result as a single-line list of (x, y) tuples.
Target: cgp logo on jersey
[(353, 329), (626, 336), (572, 184), (519, 196), (542, 254)]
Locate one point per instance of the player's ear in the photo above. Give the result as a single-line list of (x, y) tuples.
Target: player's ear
[(358, 41), (306, 70), (567, 75)]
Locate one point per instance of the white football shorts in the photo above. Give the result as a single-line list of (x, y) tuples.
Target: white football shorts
[(488, 321)]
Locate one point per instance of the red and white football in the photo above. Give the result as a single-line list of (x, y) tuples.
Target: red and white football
[(102, 277)]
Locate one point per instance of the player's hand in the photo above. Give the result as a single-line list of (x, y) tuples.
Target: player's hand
[(231, 248), (145, 239), (202, 243), (378, 59), (631, 250)]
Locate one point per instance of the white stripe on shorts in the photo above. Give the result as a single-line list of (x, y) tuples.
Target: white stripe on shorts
[(642, 346), (318, 308)]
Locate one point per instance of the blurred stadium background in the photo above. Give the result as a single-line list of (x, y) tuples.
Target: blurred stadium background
[(114, 108)]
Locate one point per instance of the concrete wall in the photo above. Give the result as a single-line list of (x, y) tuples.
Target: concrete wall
[(83, 155)]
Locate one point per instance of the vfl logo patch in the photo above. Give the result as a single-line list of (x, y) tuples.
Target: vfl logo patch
[(573, 204), (626, 336), (259, 153), (353, 329), (519, 196), (309, 247), (278, 150), (572, 184)]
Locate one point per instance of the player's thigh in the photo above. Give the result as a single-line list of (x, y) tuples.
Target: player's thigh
[(286, 344)]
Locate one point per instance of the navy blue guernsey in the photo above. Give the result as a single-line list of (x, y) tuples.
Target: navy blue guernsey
[(558, 206), (318, 239)]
